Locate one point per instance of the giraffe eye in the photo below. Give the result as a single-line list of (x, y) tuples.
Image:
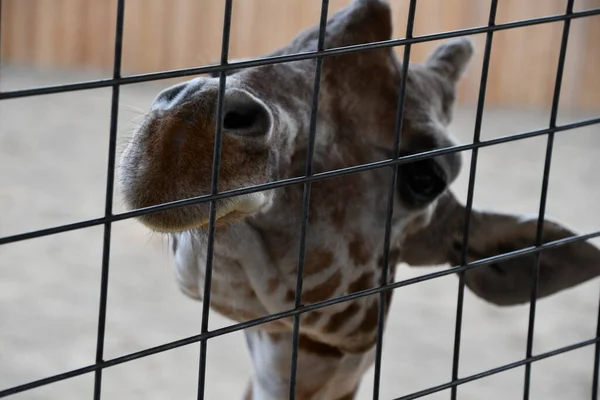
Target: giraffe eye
[(420, 182)]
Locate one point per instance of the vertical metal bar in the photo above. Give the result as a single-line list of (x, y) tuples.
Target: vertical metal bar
[(470, 193), (306, 196), (544, 195), (390, 201), (213, 190), (596, 360), (108, 205)]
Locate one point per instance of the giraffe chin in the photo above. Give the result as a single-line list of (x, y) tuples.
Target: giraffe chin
[(228, 212)]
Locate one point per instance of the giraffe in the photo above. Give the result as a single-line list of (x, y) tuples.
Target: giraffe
[(265, 124)]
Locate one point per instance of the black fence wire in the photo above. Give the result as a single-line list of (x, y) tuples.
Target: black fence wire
[(470, 192), (205, 334), (306, 195)]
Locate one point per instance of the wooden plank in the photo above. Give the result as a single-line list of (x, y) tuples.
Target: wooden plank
[(172, 34), (547, 50), (72, 38), (6, 26), (153, 30), (589, 80), (21, 36), (203, 40), (179, 26), (243, 28), (574, 64), (47, 22), (98, 33), (132, 33)]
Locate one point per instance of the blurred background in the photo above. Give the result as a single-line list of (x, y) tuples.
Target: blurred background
[(53, 157)]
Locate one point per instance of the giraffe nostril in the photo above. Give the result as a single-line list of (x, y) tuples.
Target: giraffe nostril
[(245, 115), (241, 120)]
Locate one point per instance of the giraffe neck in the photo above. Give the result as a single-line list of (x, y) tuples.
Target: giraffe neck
[(250, 281), (323, 372)]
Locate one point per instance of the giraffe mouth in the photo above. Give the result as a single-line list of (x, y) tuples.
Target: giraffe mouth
[(228, 211)]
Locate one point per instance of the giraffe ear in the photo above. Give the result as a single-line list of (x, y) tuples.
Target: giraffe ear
[(228, 72), (361, 83), (450, 59), (362, 21), (505, 282)]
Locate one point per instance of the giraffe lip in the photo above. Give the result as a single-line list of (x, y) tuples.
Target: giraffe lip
[(223, 217), (198, 216)]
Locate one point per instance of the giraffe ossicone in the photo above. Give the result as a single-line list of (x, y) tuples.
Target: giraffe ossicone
[(266, 120)]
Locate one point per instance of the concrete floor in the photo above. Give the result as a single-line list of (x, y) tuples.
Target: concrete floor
[(52, 171)]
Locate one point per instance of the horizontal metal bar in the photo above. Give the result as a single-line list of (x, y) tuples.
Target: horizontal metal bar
[(497, 370), (292, 181), (289, 57), (293, 312)]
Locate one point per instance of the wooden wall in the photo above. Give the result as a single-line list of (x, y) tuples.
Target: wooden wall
[(171, 34)]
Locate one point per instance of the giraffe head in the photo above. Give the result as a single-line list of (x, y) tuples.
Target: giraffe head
[(266, 118), (265, 129)]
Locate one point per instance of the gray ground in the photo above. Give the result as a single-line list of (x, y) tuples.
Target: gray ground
[(52, 171)]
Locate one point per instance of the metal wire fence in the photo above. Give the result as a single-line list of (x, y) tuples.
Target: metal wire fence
[(221, 69)]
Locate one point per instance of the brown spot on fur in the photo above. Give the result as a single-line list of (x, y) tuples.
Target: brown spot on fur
[(272, 285), (316, 260), (337, 320), (338, 216), (276, 337), (245, 289), (323, 291), (232, 312), (240, 315), (369, 322), (312, 317), (364, 282), (290, 295), (311, 346), (359, 253)]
